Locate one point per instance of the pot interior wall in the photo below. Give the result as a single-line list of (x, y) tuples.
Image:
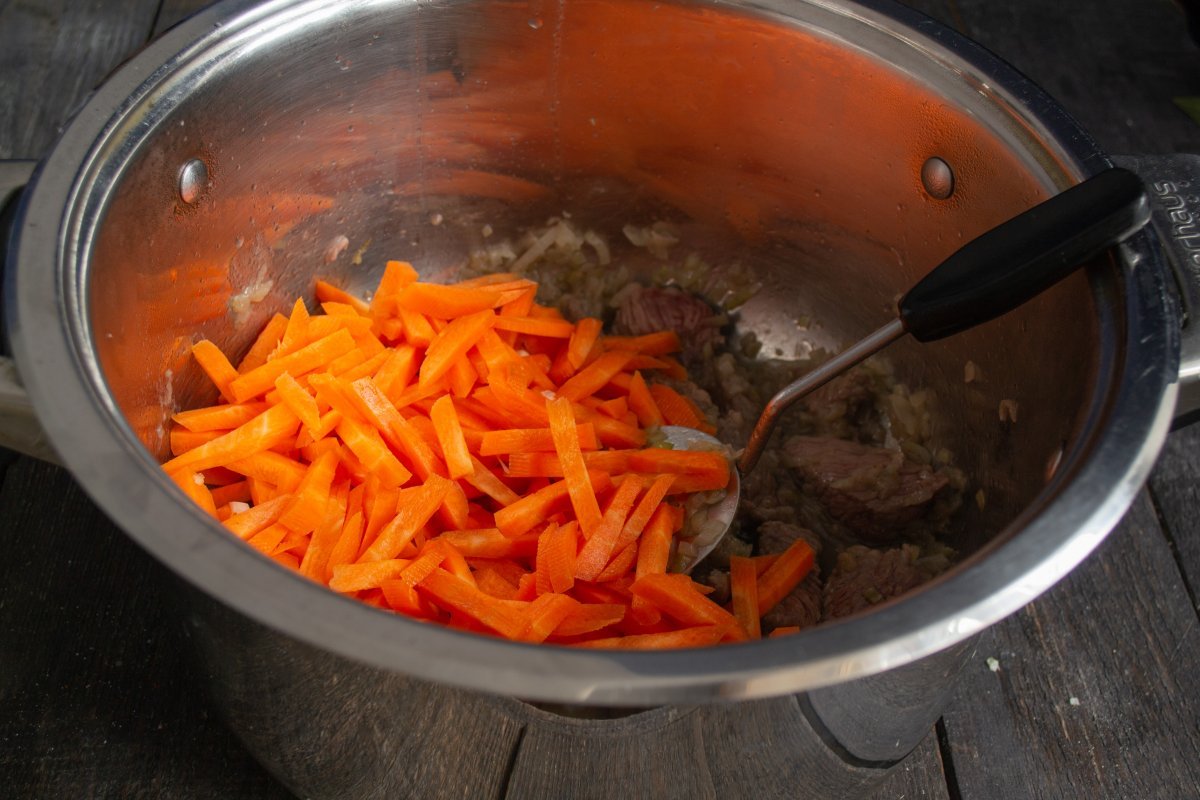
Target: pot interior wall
[(790, 145)]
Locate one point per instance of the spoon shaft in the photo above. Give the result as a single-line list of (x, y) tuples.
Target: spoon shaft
[(860, 350)]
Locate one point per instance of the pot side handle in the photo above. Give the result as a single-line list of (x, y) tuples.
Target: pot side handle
[(20, 429), (1173, 188)]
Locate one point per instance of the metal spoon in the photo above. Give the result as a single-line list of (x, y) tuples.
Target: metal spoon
[(989, 276)]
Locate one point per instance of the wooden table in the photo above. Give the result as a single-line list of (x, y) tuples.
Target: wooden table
[(1091, 694)]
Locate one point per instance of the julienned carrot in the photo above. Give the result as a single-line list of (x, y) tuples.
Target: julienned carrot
[(451, 344), (641, 402), (192, 484), (446, 302), (308, 508), (249, 522), (599, 548), (219, 418), (654, 552), (590, 617), (486, 481), (550, 328), (215, 365), (531, 440), (743, 587), (652, 344), (453, 593), (545, 614), (264, 345), (784, 575), (270, 428), (450, 436), (592, 378), (306, 359), (682, 602), (566, 443), (476, 399), (328, 293), (414, 511)]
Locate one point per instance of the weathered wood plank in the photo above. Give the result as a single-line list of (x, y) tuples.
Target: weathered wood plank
[(1177, 496), (919, 777), (1094, 691), (1116, 65), (52, 54), (98, 687)]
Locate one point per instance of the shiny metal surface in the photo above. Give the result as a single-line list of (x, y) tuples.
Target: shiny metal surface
[(789, 133), (706, 527), (1173, 185), (937, 178)]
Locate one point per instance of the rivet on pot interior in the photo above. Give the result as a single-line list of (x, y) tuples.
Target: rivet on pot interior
[(193, 180), (937, 177)]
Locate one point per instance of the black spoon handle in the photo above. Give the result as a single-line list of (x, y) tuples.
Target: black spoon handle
[(1013, 263)]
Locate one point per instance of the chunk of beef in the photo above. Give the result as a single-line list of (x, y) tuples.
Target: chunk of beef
[(875, 492), (865, 576), (718, 579), (645, 310), (775, 537), (845, 407)]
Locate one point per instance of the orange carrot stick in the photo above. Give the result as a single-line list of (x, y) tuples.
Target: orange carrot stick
[(641, 402), (328, 293), (357, 577), (192, 484), (446, 302), (222, 417), (530, 326), (270, 428), (599, 547), (566, 443), (592, 378), (297, 398), (215, 366), (743, 586), (264, 345), (455, 594), (784, 575), (452, 343), (306, 359), (531, 440), (414, 508), (682, 602), (249, 522), (450, 436)]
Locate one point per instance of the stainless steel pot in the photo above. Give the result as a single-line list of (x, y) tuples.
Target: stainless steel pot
[(791, 135)]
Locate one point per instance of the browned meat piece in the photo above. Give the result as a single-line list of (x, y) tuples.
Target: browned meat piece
[(801, 607), (865, 576), (845, 407), (873, 491), (646, 310), (719, 580), (775, 537)]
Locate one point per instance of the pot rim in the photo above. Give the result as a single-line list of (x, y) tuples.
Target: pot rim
[(1070, 517)]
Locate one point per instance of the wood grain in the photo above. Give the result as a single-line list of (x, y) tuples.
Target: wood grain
[(1094, 694), (98, 687), (52, 54), (1176, 493)]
